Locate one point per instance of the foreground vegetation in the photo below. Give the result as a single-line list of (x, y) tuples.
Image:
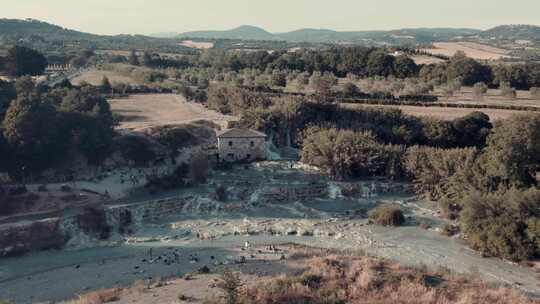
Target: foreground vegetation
[(339, 279)]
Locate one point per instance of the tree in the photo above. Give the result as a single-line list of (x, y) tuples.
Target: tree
[(7, 94), (120, 87), (199, 167), (21, 61), (440, 134), (24, 86), (87, 100), (380, 64), (343, 154), (286, 111), (350, 90), (405, 67), (279, 79), (468, 69), (503, 225), (133, 58), (105, 86), (507, 90), (147, 59), (513, 150), (31, 132), (78, 62), (322, 87), (479, 90), (230, 284)]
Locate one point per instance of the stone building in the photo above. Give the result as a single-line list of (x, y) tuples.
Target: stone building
[(241, 145)]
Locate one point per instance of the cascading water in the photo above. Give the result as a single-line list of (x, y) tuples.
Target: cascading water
[(271, 149), (334, 191)]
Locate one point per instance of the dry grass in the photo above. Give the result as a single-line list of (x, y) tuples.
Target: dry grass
[(492, 97), (197, 45), (445, 113), (340, 279), (422, 59), (473, 50), (100, 296), (128, 53), (94, 77), (144, 111)]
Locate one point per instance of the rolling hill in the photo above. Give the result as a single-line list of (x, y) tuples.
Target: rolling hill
[(513, 32), (418, 35), (50, 38), (244, 32)]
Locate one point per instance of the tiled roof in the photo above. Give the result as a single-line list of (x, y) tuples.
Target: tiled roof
[(240, 133)]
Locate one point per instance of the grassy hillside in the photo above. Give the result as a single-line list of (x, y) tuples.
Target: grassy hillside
[(513, 32), (52, 39)]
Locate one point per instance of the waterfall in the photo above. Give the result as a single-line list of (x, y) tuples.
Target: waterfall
[(334, 191), (271, 149), (369, 191)]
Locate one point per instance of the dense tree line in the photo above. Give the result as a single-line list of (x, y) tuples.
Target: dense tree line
[(42, 126), (286, 118), (21, 61), (490, 189), (468, 71), (340, 61)]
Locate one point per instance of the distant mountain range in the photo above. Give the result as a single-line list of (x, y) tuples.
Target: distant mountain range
[(34, 29), (51, 38), (413, 35), (514, 32), (247, 32)]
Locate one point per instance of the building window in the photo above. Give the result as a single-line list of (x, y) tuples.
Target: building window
[(252, 144), (248, 156), (230, 143), (230, 155)]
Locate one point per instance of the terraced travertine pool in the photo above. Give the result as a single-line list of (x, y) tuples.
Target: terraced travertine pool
[(333, 221)]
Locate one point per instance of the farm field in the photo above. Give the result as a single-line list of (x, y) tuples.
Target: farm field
[(473, 50), (197, 45), (444, 113), (492, 97), (149, 110), (126, 53), (422, 59), (94, 77)]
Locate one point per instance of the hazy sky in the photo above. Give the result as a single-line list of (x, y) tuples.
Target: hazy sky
[(152, 16)]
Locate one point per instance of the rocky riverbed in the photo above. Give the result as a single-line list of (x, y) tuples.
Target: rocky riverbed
[(271, 203)]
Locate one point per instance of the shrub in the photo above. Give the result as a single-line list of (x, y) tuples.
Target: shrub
[(199, 167), (449, 230), (100, 296), (479, 89), (507, 90), (343, 153), (338, 279), (230, 284), (350, 90), (502, 225), (386, 215), (221, 193), (135, 148)]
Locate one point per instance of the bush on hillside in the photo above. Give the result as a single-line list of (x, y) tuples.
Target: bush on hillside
[(386, 215)]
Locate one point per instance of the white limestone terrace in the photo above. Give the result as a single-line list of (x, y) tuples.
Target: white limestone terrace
[(211, 228)]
